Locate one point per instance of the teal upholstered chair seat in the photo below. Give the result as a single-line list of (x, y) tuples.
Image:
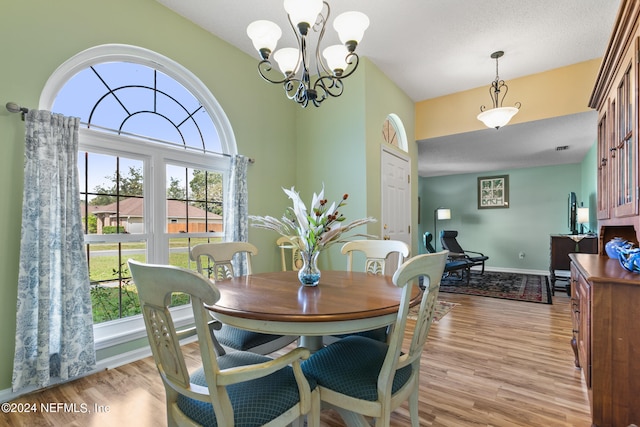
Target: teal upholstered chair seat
[(255, 402), (243, 340), (351, 367)]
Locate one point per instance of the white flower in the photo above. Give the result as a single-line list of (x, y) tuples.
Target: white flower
[(312, 230)]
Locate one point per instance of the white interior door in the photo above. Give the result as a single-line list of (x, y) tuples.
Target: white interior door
[(396, 197)]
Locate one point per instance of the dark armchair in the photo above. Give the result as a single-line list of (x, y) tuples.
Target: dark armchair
[(459, 266), (449, 242)]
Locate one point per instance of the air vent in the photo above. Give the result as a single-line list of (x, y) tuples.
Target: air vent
[(562, 147)]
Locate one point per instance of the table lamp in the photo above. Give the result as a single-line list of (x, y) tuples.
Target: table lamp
[(439, 214)]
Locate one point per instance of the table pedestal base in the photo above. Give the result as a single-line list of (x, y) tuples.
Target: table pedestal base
[(312, 343)]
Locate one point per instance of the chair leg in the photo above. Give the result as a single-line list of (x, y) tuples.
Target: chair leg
[(413, 408), (313, 417)]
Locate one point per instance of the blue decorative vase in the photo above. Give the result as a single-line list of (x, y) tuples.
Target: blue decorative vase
[(629, 259), (611, 247), (309, 274)]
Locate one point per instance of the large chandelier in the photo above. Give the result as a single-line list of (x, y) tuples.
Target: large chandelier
[(497, 116), (294, 63)]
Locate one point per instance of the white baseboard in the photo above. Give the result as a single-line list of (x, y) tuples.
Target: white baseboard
[(513, 270)]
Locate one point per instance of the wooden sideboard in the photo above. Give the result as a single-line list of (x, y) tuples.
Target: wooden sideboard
[(561, 245), (605, 302)]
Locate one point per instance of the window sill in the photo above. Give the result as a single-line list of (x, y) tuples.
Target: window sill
[(122, 331)]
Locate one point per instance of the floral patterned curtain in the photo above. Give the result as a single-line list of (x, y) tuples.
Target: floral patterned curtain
[(54, 325), (236, 211)]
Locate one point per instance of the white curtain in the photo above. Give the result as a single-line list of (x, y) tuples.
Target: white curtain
[(236, 212), (54, 324)]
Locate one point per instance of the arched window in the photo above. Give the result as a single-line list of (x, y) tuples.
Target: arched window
[(393, 132), (153, 161)]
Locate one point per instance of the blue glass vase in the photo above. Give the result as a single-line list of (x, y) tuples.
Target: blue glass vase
[(309, 274), (611, 247), (629, 258)]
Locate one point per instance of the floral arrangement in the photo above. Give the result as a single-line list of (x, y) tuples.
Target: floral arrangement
[(311, 230)]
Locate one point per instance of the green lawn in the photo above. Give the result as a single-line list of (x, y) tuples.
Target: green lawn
[(112, 299)]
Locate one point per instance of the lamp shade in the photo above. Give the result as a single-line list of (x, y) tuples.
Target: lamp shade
[(303, 10), (287, 59), (497, 117), (443, 213), (583, 215), (336, 57), (264, 34), (351, 26)]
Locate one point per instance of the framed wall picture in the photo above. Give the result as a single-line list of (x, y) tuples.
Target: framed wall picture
[(493, 192)]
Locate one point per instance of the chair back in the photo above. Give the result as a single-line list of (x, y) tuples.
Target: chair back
[(155, 284), (216, 258), (295, 259), (427, 238), (449, 242), (430, 267), (376, 253)]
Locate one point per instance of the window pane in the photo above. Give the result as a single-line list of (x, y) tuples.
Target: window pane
[(194, 200), (137, 99), (113, 294)]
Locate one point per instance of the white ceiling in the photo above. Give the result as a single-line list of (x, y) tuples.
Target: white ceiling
[(431, 48)]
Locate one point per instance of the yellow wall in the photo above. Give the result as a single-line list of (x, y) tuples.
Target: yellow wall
[(553, 93)]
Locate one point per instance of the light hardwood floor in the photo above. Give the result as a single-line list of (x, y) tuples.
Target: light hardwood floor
[(489, 362)]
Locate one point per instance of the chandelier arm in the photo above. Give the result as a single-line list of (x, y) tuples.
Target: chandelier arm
[(352, 56), (265, 67), (331, 86), (502, 84), (320, 26), (296, 91), (301, 43)]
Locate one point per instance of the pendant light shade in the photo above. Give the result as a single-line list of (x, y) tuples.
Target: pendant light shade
[(497, 116)]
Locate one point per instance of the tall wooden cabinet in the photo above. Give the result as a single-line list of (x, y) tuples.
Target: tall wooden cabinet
[(605, 298), (615, 97), (606, 337)]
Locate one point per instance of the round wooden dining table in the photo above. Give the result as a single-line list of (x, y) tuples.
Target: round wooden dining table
[(276, 303)]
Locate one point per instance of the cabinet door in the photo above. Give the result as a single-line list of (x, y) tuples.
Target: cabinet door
[(604, 165), (625, 150)]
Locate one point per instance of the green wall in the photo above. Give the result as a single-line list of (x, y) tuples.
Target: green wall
[(589, 178), (537, 209), (337, 143)]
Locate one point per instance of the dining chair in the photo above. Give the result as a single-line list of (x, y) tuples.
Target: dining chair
[(234, 389), (293, 259), (376, 253), (214, 260), (361, 377)]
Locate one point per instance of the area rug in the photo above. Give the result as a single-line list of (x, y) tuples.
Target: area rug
[(442, 308), (512, 286)]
